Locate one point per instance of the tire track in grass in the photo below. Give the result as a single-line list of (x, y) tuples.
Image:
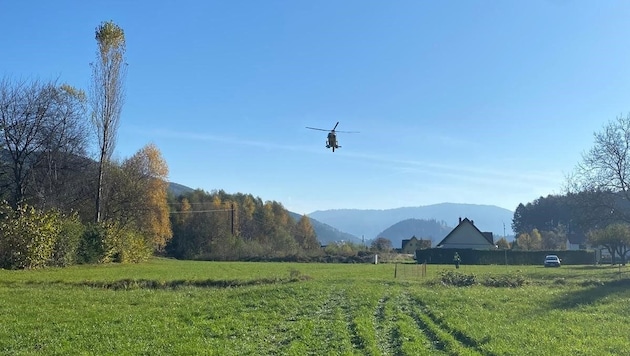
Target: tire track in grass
[(352, 308), (445, 337), (435, 343), (379, 323), (387, 336), (357, 341), (332, 327), (459, 335), (297, 317)]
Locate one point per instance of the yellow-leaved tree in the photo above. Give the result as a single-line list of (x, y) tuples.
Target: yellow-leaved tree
[(142, 192), (529, 242), (156, 223), (305, 234)]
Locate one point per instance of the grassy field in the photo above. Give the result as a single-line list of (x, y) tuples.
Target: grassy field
[(167, 307)]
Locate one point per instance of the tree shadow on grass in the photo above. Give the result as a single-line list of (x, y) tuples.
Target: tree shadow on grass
[(578, 273), (595, 290), (152, 284)]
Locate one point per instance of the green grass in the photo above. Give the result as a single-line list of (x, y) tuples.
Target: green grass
[(167, 307)]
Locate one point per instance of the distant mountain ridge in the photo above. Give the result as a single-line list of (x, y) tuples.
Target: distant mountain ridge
[(369, 223), (178, 189), (420, 228)]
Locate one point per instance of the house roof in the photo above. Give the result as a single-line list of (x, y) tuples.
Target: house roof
[(576, 237), (465, 221), (406, 241)]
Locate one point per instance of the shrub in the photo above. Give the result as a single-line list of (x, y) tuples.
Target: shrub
[(67, 244), (27, 237), (133, 247), (507, 280), (91, 247), (457, 279)]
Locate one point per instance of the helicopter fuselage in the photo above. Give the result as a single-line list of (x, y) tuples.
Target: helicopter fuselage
[(332, 141)]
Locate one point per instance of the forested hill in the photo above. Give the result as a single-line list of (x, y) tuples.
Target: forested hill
[(422, 229), (221, 200), (178, 189)]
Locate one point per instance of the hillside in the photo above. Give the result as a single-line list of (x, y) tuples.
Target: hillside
[(370, 223), (422, 229), (326, 233), (178, 189)]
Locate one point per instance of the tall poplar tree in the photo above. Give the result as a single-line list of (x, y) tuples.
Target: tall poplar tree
[(107, 95)]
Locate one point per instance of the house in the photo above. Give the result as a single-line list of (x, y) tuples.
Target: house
[(576, 240), (411, 245), (467, 236)]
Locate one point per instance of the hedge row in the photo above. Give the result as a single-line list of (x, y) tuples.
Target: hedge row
[(501, 257)]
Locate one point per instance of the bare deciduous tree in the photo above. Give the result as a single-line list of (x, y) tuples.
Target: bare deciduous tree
[(603, 175), (41, 125)]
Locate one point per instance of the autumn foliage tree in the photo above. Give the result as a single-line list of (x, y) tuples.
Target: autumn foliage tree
[(503, 244), (305, 234), (220, 226), (529, 241), (149, 171), (137, 191)]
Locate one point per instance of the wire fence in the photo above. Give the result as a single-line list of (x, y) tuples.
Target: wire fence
[(410, 270)]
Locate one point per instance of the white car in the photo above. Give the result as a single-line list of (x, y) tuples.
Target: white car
[(552, 261)]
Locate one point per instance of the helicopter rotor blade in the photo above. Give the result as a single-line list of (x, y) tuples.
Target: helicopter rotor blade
[(315, 128), (348, 131), (335, 126)]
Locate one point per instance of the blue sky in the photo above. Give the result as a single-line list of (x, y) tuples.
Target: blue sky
[(482, 102)]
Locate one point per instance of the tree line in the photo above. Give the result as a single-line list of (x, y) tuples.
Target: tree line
[(59, 206), (595, 207), (223, 226)]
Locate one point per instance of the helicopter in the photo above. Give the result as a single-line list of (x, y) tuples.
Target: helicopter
[(332, 142)]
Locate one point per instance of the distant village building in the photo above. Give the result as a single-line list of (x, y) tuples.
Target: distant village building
[(411, 245), (576, 241), (467, 236)]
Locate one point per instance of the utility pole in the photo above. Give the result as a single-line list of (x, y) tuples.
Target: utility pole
[(504, 251), (232, 218)]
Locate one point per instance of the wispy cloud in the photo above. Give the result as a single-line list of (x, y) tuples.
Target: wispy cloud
[(477, 174), (184, 135), (454, 172)]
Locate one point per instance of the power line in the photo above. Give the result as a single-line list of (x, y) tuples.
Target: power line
[(200, 211)]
